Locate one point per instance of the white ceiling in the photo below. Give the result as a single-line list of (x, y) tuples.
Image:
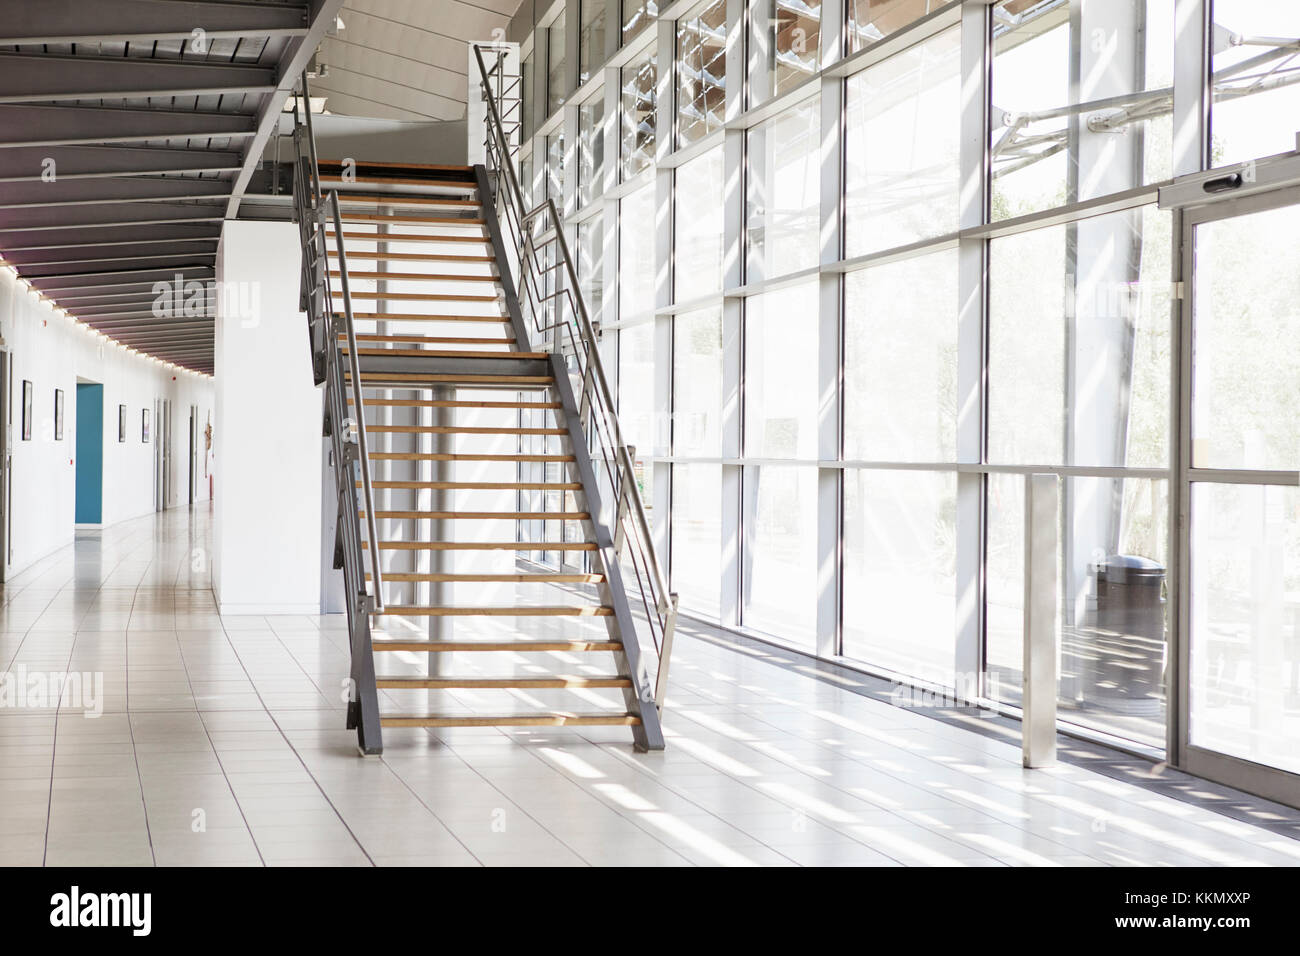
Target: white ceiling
[(405, 59)]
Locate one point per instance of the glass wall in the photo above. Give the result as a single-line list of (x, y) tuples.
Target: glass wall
[(845, 336), (701, 71), (556, 84), (591, 37)]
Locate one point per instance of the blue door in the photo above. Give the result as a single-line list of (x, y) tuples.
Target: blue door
[(90, 453)]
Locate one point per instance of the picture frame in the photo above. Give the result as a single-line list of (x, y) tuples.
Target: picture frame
[(27, 410), (144, 425), (58, 414), (121, 423)]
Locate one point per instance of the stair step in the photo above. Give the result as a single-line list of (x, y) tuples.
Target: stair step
[(413, 256), (423, 276), (452, 430), (473, 577), (519, 647), (434, 167), (457, 456), (478, 485), (362, 179), (554, 719), (484, 545), (418, 610), (408, 237), (420, 296), (482, 515), (427, 317), (454, 403), (452, 353), (427, 220), (434, 340), (500, 683), (401, 199), (410, 379)]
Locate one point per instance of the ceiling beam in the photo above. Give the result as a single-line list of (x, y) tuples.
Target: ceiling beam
[(45, 125), (205, 326), (141, 236), (43, 164), (23, 194), (123, 279), (34, 78), (75, 21), (30, 267), (294, 59), (39, 228), (129, 311)]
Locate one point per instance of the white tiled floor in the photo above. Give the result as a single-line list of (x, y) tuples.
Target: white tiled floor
[(236, 725)]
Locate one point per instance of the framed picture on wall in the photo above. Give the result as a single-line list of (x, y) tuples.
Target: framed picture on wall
[(27, 410), (58, 414), (144, 425), (121, 423)]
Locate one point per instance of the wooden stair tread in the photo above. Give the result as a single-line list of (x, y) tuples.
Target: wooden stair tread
[(452, 353), (553, 719), (462, 456), (401, 199), (428, 220), (479, 485), (516, 577), (480, 515), (455, 403), (453, 430), (420, 296), (428, 317), (436, 167), (413, 256), (363, 178), (523, 647), (380, 379), (404, 276), (484, 546), (432, 339), (422, 610), (385, 682), (408, 237)]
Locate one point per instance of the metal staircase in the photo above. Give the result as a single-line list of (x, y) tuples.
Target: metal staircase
[(489, 521)]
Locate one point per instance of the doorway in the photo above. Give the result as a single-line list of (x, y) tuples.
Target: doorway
[(90, 454), (1239, 494), (194, 453)]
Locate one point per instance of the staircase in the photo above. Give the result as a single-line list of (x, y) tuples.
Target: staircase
[(487, 507)]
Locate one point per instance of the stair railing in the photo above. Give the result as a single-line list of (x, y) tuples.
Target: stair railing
[(314, 212), (554, 308)]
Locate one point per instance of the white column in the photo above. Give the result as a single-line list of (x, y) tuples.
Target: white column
[(267, 528)]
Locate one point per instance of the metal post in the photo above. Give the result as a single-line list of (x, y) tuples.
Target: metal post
[(1038, 721)]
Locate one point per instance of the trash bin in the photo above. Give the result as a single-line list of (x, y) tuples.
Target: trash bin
[(1129, 647)]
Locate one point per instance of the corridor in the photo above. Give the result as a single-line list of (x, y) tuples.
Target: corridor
[(221, 741)]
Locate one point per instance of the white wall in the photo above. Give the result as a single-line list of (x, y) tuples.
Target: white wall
[(268, 520), (51, 351)]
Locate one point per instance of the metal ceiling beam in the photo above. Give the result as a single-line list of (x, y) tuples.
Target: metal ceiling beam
[(30, 267), (203, 325), (138, 317), (115, 311), (125, 279), (140, 236), (38, 223), (43, 164), (75, 21), (44, 125), (33, 193), (33, 78), (297, 53)]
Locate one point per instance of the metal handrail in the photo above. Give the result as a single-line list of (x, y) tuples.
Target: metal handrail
[(311, 213), (576, 336)]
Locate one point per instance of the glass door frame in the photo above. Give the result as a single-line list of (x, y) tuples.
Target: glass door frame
[(1267, 781)]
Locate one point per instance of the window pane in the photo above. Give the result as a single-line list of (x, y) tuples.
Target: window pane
[(556, 92), (783, 209), (637, 143), (698, 221), (900, 557), (526, 95), (1080, 319), (697, 536), (591, 149), (1112, 565), (701, 71), (637, 15), (779, 571), (697, 383), (900, 360), (554, 183), (1255, 79), (591, 38), (781, 407), (1244, 386), (636, 386), (591, 264), (1056, 139), (901, 129), (1245, 640), (872, 20), (793, 32), (636, 250)]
